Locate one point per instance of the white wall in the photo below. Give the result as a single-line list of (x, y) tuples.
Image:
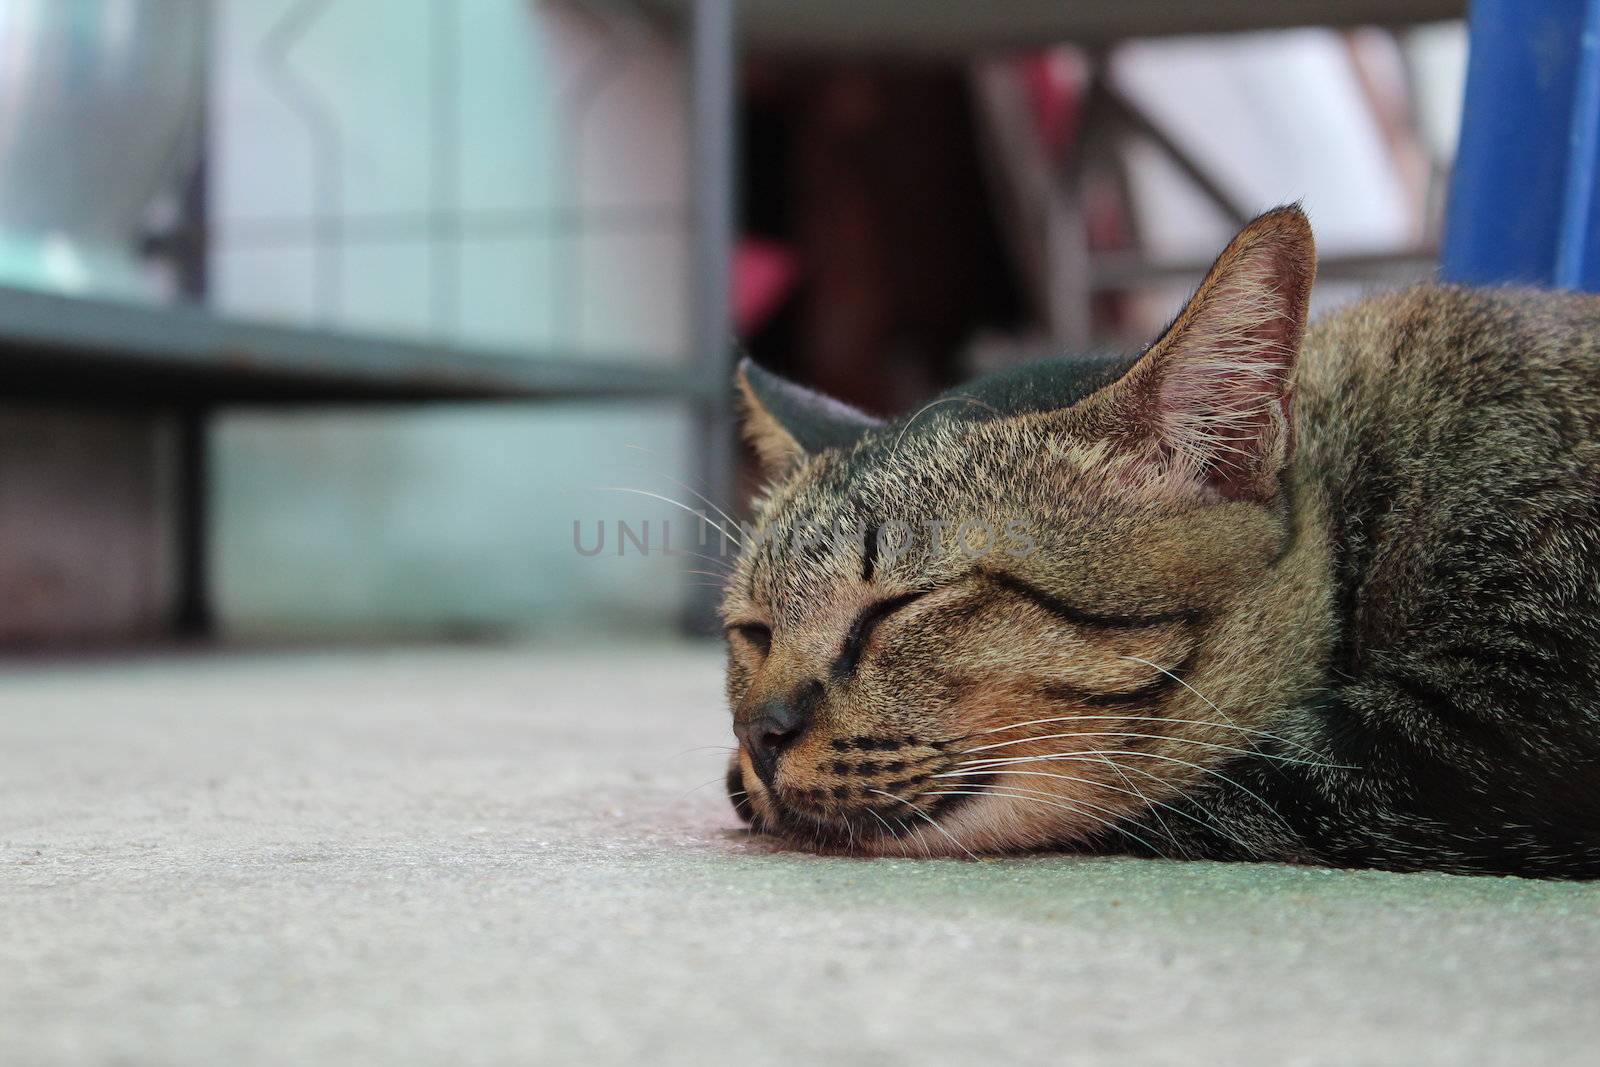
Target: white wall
[(558, 227), (1273, 117)]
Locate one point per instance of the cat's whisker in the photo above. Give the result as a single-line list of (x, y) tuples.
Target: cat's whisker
[(889, 828), (929, 406), (1113, 815), (1212, 704), (729, 519), (1054, 803), (702, 516), (927, 853), (1216, 823), (928, 819), (703, 748), (702, 785), (1147, 737), (1152, 804), (1090, 754), (720, 577), (1131, 791), (1148, 718), (903, 837)]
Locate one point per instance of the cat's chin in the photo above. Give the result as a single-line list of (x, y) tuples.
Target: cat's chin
[(859, 835), (860, 832)]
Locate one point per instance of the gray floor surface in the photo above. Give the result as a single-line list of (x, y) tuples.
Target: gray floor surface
[(501, 856)]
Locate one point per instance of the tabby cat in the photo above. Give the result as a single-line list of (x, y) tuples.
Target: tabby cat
[(1325, 595)]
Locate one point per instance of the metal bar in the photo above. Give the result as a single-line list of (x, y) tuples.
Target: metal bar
[(231, 358), (1583, 144), (379, 226), (193, 614), (1129, 114), (946, 28), (1120, 271), (712, 85)]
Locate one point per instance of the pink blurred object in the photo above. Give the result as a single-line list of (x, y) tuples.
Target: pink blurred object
[(764, 273), (1055, 80)]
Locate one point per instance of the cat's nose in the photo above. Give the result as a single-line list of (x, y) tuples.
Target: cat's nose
[(776, 725)]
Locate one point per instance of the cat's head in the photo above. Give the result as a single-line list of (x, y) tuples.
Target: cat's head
[(988, 625)]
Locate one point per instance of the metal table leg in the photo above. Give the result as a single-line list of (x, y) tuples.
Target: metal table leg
[(193, 616), (713, 84)]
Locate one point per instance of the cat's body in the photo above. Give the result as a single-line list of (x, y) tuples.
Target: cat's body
[(1344, 612), (1449, 447)]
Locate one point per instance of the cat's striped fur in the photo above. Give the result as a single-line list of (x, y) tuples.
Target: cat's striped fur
[(1326, 595)]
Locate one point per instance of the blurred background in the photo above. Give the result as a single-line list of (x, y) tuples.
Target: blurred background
[(339, 319)]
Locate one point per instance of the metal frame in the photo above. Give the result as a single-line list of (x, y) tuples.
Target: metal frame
[(60, 347), (952, 28), (713, 81)]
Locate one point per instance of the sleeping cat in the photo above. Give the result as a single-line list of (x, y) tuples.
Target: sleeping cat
[(1325, 595)]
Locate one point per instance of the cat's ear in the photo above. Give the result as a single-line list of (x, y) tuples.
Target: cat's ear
[(785, 422), (1213, 394)]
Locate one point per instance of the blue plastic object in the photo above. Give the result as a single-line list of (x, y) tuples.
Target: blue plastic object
[(1523, 199)]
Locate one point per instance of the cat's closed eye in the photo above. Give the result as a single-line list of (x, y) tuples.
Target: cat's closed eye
[(861, 630), (758, 635)]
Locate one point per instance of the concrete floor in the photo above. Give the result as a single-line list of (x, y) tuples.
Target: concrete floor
[(470, 856)]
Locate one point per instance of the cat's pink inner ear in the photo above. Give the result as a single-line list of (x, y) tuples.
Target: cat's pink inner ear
[(1220, 381)]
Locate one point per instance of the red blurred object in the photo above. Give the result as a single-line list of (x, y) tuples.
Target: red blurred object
[(1055, 82), (764, 274)]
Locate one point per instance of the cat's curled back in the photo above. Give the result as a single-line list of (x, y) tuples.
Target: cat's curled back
[(1261, 592)]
